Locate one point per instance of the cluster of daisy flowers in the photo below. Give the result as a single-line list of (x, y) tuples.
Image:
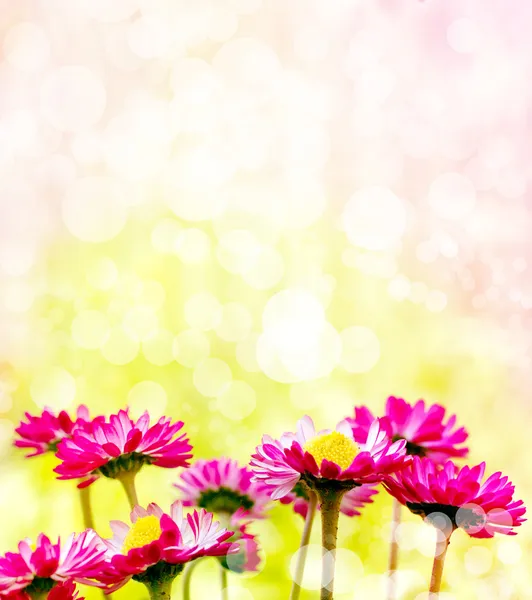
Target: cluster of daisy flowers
[(408, 452)]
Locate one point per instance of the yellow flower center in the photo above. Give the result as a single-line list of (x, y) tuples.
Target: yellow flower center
[(335, 447), (143, 532)]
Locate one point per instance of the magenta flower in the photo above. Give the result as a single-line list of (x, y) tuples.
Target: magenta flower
[(244, 555), (120, 446), (61, 591), (43, 433), (38, 571), (222, 486), (326, 464), (325, 456), (156, 547), (352, 501), (423, 428), (481, 509)]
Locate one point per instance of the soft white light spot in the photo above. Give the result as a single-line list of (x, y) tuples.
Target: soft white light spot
[(90, 329), (191, 347), (399, 287), (238, 401), (478, 560), (149, 37), (313, 567), (237, 251), (436, 300), (26, 47), (158, 348), (94, 209), (165, 234), (297, 343), (102, 274), (203, 311), (348, 568), (193, 246), (54, 388), (140, 322), (147, 395), (212, 377), (509, 551), (137, 143), (266, 269), (452, 196), (374, 218), (72, 98), (463, 36), (360, 349), (235, 323), (120, 348)]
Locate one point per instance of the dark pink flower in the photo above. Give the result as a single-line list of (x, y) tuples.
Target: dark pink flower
[(157, 545), (43, 433), (424, 428), (352, 501), (481, 509), (244, 555), (222, 486), (117, 445), (61, 591), (324, 456), (39, 569)]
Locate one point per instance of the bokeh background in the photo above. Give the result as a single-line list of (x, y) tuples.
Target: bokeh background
[(236, 212)]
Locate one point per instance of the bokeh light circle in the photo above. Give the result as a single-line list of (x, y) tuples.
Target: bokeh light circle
[(90, 329), (73, 98), (26, 47), (452, 196), (374, 218), (147, 395), (212, 377), (94, 209), (191, 347), (120, 348), (54, 388), (238, 401)]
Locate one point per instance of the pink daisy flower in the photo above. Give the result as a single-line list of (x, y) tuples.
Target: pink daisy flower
[(62, 591), (222, 486), (325, 456), (424, 428), (481, 509), (37, 571), (43, 433), (244, 555), (352, 501), (119, 445), (155, 548)]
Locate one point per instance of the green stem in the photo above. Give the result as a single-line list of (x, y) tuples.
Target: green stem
[(86, 507), (303, 546), (127, 479), (160, 591), (187, 576), (394, 550), (88, 519), (223, 583), (437, 567), (330, 501)]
